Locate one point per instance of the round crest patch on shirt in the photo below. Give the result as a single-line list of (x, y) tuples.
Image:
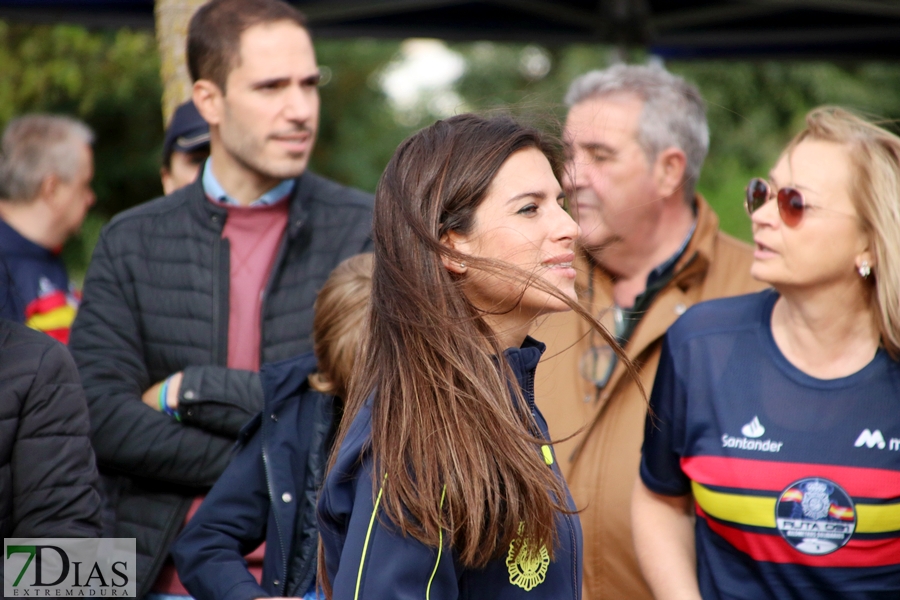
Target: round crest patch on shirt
[(815, 516), (526, 571)]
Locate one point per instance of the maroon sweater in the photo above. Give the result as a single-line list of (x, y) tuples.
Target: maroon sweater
[(254, 235)]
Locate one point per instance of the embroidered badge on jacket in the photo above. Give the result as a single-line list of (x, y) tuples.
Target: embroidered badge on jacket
[(526, 571)]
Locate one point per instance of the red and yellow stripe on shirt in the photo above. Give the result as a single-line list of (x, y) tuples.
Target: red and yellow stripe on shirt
[(737, 498), (53, 314)]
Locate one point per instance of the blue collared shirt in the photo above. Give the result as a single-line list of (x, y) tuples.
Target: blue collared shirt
[(214, 190)]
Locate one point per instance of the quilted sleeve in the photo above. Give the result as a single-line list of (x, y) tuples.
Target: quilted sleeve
[(54, 476), (219, 399)]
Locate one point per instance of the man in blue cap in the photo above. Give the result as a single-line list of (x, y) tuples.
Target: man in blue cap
[(185, 148)]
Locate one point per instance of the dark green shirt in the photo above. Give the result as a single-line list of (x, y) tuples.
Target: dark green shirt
[(627, 319)]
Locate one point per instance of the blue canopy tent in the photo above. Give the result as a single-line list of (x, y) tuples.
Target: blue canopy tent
[(835, 29)]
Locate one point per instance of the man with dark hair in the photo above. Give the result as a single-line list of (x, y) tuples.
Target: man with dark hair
[(216, 29), (46, 168), (186, 295), (185, 148)]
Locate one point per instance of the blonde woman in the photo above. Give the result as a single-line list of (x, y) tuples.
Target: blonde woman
[(771, 465)]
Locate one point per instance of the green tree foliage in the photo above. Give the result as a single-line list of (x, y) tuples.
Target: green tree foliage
[(109, 79), (357, 131)]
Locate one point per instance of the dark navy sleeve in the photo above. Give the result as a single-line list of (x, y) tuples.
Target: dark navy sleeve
[(664, 430), (230, 523)]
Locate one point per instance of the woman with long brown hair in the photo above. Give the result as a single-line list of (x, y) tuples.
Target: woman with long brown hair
[(444, 484)]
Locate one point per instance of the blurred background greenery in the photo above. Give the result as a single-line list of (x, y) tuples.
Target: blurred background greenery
[(110, 79)]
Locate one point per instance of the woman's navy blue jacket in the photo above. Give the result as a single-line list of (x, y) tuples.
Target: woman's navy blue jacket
[(268, 492), (366, 558)]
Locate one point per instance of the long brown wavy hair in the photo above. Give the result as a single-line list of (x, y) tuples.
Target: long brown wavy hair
[(456, 455)]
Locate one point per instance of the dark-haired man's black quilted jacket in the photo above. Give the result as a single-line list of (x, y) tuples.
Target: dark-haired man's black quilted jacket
[(48, 477), (156, 302)]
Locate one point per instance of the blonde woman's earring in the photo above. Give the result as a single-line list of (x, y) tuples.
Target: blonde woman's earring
[(864, 269)]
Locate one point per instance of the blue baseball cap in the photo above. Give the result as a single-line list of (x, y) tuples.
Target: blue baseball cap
[(187, 131)]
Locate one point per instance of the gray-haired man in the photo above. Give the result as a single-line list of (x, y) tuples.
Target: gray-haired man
[(46, 167), (636, 138)]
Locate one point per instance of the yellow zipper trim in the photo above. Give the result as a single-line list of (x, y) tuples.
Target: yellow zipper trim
[(440, 549), (362, 560), (548, 454)]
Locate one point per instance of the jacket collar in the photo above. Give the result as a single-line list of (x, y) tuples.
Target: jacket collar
[(523, 361), (671, 301), (701, 248), (693, 262), (213, 215), (282, 380)]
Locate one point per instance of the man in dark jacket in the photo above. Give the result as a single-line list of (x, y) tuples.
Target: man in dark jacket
[(188, 294)]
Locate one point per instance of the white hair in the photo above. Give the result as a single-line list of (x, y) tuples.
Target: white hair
[(36, 146), (673, 115)]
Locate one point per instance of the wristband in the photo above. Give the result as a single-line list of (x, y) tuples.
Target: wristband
[(163, 400), (163, 389)]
